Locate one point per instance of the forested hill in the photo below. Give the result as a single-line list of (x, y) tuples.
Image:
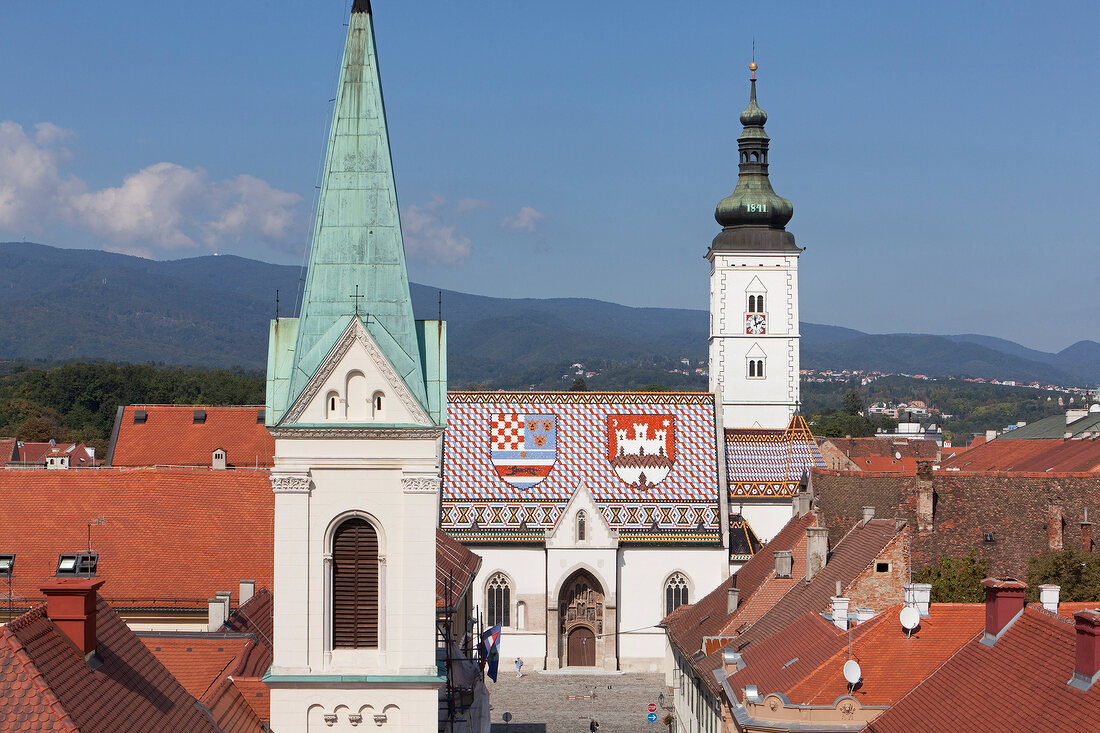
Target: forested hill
[(63, 304)]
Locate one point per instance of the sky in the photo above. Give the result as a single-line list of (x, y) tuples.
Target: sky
[(942, 158)]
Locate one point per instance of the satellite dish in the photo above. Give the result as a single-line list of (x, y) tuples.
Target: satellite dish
[(852, 672), (910, 618), (897, 455)]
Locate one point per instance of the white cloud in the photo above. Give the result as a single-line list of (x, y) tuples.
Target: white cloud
[(428, 238), (526, 219), (31, 187), (163, 207), (465, 206)]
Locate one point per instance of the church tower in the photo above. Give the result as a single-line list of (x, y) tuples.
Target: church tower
[(754, 291), (356, 395)]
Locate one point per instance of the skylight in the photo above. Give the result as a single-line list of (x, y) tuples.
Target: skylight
[(77, 564), (7, 563)]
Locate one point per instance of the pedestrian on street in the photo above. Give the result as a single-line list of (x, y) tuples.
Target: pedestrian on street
[(519, 667)]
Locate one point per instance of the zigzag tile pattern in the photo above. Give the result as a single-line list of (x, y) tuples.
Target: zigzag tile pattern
[(475, 496)]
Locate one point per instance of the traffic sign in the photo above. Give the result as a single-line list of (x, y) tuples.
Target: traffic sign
[(652, 717), (652, 707)]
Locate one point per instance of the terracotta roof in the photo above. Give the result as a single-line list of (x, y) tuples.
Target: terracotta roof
[(689, 625), (223, 670), (455, 566), (885, 447), (1035, 456), (851, 556), (170, 437), (129, 691), (38, 452), (1020, 683), (7, 450), (161, 546), (198, 662)]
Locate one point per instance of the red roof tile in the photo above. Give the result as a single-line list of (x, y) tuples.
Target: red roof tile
[(169, 437), (8, 450), (1035, 455), (129, 691), (455, 566), (198, 662), (1020, 683), (161, 546)]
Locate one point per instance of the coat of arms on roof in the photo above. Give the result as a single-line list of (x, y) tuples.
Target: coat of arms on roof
[(641, 448), (524, 447)]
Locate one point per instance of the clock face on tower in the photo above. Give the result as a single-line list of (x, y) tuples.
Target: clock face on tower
[(756, 324)]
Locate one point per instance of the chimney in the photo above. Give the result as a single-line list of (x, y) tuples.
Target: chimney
[(840, 612), (247, 590), (732, 596), (817, 550), (868, 514), (1004, 601), (1075, 414), (1054, 527), (71, 605), (926, 497), (864, 614), (783, 563), (990, 435), (1048, 596), (1086, 667), (919, 596), (1086, 533), (225, 596)]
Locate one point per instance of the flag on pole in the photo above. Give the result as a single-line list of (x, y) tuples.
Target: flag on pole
[(490, 650)]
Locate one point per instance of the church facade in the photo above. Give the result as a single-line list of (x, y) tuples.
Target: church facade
[(596, 513)]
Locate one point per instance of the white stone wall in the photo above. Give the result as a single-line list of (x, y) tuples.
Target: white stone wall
[(747, 402), (304, 709), (767, 519), (643, 574)]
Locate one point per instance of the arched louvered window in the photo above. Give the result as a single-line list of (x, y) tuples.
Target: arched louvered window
[(676, 592), (580, 526), (498, 599), (355, 591)]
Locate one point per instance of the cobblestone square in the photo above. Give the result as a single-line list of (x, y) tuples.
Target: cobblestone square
[(539, 702)]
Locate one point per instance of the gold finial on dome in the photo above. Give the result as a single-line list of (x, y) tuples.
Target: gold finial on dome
[(753, 67)]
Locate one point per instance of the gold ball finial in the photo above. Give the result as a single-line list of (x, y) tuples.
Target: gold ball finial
[(752, 66)]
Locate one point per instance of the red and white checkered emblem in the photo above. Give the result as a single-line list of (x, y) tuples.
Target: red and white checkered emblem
[(507, 432)]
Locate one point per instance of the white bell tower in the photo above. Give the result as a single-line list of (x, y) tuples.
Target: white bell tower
[(754, 365)]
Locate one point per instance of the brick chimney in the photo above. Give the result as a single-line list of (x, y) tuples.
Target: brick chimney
[(1004, 601), (926, 497), (1086, 667), (71, 605), (868, 514), (817, 550), (1054, 527)]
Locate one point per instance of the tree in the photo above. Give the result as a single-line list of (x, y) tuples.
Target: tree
[(956, 580), (853, 405), (1076, 571), (579, 385)]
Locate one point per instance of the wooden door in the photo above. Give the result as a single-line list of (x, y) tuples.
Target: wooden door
[(582, 647)]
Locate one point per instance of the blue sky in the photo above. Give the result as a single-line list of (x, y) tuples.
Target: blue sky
[(941, 158)]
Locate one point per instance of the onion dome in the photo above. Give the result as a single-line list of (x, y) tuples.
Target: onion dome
[(753, 205)]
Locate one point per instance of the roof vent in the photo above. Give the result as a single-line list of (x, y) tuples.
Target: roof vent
[(199, 417), (139, 417)]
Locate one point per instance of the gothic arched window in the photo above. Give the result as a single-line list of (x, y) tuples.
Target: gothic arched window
[(580, 526), (676, 592), (355, 591), (498, 598)]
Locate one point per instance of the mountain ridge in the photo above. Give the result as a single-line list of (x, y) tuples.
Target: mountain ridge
[(213, 310)]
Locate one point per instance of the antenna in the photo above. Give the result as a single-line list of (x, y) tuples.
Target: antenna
[(910, 619), (276, 305), (441, 305), (97, 523)]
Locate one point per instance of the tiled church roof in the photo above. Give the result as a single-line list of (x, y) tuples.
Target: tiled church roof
[(770, 463), (170, 436), (476, 499)]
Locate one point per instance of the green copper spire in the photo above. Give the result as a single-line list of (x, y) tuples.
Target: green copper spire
[(754, 216), (357, 258)]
